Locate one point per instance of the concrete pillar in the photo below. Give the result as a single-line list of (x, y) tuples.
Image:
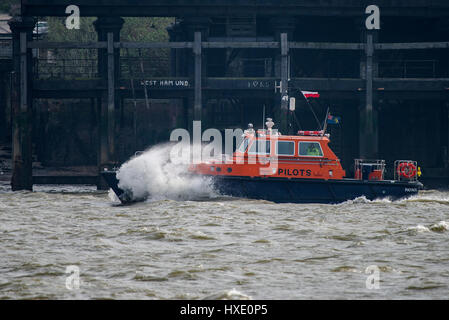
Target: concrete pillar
[(21, 102), (176, 34), (3, 104), (283, 32), (197, 30), (445, 133), (197, 107), (368, 120), (103, 26), (108, 30), (442, 28)]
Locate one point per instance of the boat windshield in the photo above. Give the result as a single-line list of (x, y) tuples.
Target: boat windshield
[(310, 149), (260, 147), (243, 145)]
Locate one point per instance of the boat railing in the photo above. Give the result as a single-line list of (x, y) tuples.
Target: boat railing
[(369, 169)]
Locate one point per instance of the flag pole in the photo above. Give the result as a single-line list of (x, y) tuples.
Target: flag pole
[(325, 122)]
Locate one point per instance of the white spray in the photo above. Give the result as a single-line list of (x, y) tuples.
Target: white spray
[(153, 175)]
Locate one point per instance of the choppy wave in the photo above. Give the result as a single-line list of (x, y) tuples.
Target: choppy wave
[(61, 188), (154, 176), (418, 229), (201, 250), (232, 294), (435, 196), (363, 199), (425, 197), (441, 226)]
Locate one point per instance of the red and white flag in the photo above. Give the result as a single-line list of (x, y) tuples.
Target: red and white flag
[(310, 94)]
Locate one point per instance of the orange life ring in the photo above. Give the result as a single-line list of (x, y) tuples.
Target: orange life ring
[(407, 170)]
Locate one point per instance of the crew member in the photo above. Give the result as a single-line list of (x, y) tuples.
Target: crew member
[(312, 150)]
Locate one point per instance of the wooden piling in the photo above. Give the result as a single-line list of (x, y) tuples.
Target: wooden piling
[(111, 98), (368, 122), (3, 103), (197, 95), (108, 30), (283, 125), (22, 173)]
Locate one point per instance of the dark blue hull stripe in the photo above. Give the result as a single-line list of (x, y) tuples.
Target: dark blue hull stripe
[(296, 190), (313, 190)]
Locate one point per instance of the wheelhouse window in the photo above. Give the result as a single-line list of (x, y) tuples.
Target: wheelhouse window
[(285, 148), (244, 145), (260, 147), (310, 149)]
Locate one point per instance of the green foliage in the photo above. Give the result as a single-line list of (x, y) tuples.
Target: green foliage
[(71, 63), (146, 29), (145, 62), (5, 5), (57, 31)]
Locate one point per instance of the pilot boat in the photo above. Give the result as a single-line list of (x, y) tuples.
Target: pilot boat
[(298, 168)]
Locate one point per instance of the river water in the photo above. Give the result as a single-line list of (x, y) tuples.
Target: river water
[(191, 243), (220, 248)]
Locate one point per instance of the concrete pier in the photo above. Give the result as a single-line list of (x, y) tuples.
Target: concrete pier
[(227, 61)]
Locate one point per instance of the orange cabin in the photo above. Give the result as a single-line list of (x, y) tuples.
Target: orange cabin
[(273, 155)]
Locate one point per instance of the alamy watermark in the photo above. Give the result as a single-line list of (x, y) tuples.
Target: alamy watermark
[(190, 149), (372, 22), (73, 20), (72, 282), (373, 280)]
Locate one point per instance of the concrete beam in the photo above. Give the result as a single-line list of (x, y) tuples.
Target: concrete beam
[(177, 8), (92, 88)]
